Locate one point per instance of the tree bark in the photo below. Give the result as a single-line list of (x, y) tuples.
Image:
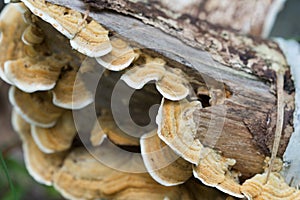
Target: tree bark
[(245, 67)]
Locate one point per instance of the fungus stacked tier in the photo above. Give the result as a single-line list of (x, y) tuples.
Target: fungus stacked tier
[(47, 78)]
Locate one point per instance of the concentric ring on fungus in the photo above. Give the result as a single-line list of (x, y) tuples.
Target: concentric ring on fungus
[(44, 77)]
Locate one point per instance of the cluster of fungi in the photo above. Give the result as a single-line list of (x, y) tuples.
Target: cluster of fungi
[(44, 71)]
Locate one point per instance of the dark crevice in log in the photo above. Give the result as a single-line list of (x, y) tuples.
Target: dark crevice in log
[(133, 149)]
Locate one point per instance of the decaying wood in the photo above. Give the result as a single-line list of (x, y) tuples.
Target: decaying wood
[(246, 68), (249, 54), (291, 158), (254, 17)]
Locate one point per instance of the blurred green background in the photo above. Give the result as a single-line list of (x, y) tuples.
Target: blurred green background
[(15, 182)]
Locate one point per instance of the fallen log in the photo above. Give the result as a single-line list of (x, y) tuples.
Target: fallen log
[(245, 67)]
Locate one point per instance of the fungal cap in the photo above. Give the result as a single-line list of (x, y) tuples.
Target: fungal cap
[(58, 138), (177, 127), (162, 163), (37, 108)]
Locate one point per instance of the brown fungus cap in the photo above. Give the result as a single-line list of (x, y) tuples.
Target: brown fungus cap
[(87, 37), (35, 74), (63, 19), (84, 177), (12, 26), (275, 188), (177, 127), (106, 127), (170, 82), (215, 171), (162, 163), (33, 35), (40, 166), (121, 56), (173, 85), (92, 40), (70, 91), (138, 76), (36, 108), (58, 138)]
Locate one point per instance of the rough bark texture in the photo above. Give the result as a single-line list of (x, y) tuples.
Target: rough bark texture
[(245, 68), (249, 54), (252, 17)]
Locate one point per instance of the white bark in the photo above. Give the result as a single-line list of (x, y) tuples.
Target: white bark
[(291, 156)]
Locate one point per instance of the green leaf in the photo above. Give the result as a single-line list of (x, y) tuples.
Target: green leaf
[(18, 194), (11, 186)]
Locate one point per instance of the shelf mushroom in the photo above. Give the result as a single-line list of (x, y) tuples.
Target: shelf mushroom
[(33, 64), (214, 170), (63, 19), (33, 35), (106, 127), (51, 130), (70, 91), (162, 163), (88, 37), (170, 82), (92, 40), (40, 166), (95, 180), (177, 128), (36, 109), (12, 26), (121, 56), (35, 74), (275, 188), (58, 138)]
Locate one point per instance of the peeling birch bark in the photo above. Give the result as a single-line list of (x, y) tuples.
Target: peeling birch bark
[(291, 156)]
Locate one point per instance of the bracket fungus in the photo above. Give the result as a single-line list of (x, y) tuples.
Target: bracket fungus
[(214, 170), (88, 37), (83, 177), (58, 138), (176, 127), (63, 19), (170, 82), (44, 69), (41, 166), (70, 91), (33, 35), (36, 108), (121, 56), (106, 127), (275, 188), (138, 76), (12, 26), (34, 74), (92, 40), (162, 163)]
